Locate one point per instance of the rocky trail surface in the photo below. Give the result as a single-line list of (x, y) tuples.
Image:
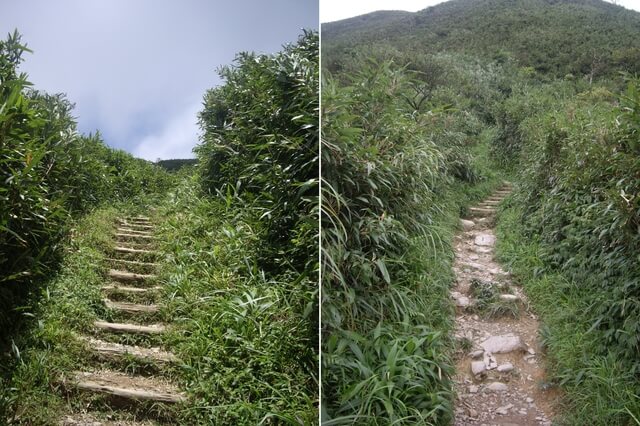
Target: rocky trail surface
[(499, 375), (129, 336)]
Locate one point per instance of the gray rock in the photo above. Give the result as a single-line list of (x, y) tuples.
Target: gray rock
[(485, 240), (473, 389), (504, 409), (476, 354), (478, 367), (463, 301), (466, 224), (503, 344), (505, 368), (509, 297), (529, 400), (460, 299), (473, 413), (497, 387)]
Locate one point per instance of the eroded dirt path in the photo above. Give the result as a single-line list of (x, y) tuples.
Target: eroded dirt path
[(499, 377)]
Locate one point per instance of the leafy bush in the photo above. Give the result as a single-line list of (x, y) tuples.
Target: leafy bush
[(258, 175), (578, 200), (48, 173), (260, 143)]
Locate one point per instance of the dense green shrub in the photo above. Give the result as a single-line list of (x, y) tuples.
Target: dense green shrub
[(48, 173), (260, 143), (258, 221), (577, 201)]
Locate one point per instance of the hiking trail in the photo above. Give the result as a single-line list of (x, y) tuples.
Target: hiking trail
[(499, 378), (129, 335)]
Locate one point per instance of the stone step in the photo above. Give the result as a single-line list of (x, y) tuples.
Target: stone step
[(132, 308), (129, 235), (116, 327), (136, 225), (134, 250), (118, 350), (118, 384), (136, 290), (134, 262), (479, 211), (466, 224), (129, 276), (134, 231)]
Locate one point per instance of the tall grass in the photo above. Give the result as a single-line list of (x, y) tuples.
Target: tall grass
[(244, 336), (577, 215), (394, 181)]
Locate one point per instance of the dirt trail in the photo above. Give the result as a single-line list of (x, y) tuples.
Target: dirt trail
[(499, 378), (130, 333)]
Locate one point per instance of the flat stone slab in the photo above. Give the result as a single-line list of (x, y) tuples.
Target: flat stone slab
[(505, 368), (485, 240), (478, 367), (503, 344), (497, 387)]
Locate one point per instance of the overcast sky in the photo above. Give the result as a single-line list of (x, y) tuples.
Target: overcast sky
[(137, 70), (334, 10)]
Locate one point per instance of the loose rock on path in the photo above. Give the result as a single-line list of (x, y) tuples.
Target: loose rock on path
[(499, 380)]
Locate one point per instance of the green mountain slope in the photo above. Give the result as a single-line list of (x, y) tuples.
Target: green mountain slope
[(586, 38)]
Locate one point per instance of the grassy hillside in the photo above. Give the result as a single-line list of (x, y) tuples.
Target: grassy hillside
[(557, 37)]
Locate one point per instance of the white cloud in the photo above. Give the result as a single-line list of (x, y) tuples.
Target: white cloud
[(175, 140), (131, 67)]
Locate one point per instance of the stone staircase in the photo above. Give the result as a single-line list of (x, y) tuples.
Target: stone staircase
[(130, 332)]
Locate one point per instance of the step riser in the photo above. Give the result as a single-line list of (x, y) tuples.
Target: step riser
[(131, 394), (128, 328)]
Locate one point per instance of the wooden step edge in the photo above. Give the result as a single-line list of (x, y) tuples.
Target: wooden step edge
[(127, 393), (133, 308), (481, 210), (144, 237), (137, 225), (125, 289), (129, 276), (130, 328), (136, 222), (133, 231), (133, 250), (117, 350), (133, 262)]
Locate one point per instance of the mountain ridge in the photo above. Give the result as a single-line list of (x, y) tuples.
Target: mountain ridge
[(559, 37)]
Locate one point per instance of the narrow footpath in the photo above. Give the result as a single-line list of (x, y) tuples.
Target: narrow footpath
[(499, 375), (129, 335)]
